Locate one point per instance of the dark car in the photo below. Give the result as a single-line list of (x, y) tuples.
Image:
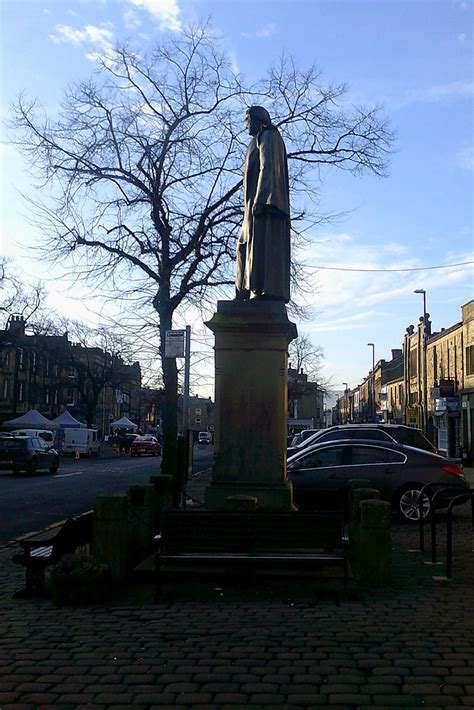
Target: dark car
[(27, 453), (320, 474), (397, 433), (144, 445)]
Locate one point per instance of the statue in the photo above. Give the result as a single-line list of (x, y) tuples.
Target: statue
[(263, 250)]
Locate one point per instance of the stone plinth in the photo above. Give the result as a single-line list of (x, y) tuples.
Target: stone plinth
[(251, 363)]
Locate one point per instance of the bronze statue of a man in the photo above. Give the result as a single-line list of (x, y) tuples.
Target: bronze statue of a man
[(263, 250)]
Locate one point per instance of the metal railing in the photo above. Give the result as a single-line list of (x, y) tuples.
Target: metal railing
[(463, 497)]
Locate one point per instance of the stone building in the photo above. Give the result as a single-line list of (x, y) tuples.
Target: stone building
[(305, 402), (466, 389), (51, 374)]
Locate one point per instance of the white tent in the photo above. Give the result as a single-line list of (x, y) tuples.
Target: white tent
[(123, 423), (31, 420), (66, 420)]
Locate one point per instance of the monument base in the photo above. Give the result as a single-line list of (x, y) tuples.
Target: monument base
[(271, 497), (251, 364)]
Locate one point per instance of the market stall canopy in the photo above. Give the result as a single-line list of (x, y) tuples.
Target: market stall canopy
[(123, 423), (31, 420), (66, 420)]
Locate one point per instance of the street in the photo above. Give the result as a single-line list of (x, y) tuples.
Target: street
[(30, 503)]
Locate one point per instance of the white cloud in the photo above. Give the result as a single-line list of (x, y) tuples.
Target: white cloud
[(263, 33), (462, 37), (267, 31), (90, 35), (131, 20), (165, 11)]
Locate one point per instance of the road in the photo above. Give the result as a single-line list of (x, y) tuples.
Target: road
[(29, 503)]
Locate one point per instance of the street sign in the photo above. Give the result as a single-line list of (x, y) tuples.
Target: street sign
[(174, 343)]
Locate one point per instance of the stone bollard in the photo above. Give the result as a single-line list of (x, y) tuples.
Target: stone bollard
[(355, 497), (141, 522), (374, 543), (110, 540), (241, 504)]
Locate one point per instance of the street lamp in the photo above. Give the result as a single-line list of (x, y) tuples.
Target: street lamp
[(425, 374), (345, 402), (372, 407)]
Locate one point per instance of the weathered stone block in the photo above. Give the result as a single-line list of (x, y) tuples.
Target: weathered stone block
[(246, 504)]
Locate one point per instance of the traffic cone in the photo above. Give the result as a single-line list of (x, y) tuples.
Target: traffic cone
[(77, 456)]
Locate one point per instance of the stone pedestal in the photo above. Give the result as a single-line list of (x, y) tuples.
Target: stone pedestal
[(251, 363)]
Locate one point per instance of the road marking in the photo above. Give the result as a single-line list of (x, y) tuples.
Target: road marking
[(66, 475)]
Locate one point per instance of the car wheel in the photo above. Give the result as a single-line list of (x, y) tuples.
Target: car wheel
[(408, 504), (32, 468), (54, 466)]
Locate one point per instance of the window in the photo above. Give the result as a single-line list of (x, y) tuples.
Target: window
[(375, 455), (332, 456), (198, 411), (413, 363), (21, 392), (198, 420), (46, 395), (72, 372), (21, 358), (470, 360), (70, 397), (6, 389), (46, 366)]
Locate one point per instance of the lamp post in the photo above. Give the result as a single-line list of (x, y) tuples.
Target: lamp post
[(372, 396), (345, 402), (425, 374)]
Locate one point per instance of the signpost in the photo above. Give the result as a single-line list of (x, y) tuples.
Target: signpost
[(174, 342), (178, 344)]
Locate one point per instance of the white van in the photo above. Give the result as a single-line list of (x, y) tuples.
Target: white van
[(44, 434), (84, 441), (204, 437)]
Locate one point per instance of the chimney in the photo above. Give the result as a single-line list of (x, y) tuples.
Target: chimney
[(16, 324)]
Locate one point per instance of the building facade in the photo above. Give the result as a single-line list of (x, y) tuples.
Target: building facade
[(51, 374), (429, 384)]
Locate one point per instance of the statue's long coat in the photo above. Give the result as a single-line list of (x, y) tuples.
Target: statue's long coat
[(263, 253)]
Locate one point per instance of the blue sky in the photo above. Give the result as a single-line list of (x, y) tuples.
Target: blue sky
[(414, 57)]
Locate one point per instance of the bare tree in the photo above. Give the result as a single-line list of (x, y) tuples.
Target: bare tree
[(15, 297), (145, 162), (305, 361), (100, 358)]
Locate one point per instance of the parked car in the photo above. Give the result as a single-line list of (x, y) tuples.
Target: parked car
[(320, 474), (146, 444), (27, 453), (302, 436), (398, 433), (204, 437)]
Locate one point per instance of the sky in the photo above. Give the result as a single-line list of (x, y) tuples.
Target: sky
[(414, 57)]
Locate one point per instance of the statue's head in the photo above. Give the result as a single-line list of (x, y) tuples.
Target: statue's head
[(256, 118)]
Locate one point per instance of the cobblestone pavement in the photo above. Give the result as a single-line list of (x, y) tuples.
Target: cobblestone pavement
[(410, 646)]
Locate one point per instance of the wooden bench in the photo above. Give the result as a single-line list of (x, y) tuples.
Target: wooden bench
[(271, 543), (45, 549)]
